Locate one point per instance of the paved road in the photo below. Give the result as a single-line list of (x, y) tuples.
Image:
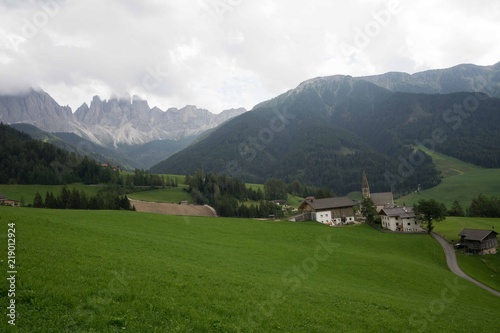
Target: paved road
[(451, 260)]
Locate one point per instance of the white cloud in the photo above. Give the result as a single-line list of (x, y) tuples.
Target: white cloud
[(220, 54)]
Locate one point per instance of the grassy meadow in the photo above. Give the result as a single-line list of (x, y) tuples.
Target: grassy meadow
[(116, 271), (174, 194), (16, 192), (461, 181)]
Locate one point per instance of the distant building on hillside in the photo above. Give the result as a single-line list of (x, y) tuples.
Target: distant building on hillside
[(4, 201), (107, 165), (479, 241), (13, 203), (381, 200), (334, 211), (400, 219)]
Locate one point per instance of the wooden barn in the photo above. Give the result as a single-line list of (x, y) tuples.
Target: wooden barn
[(479, 241), (330, 210)]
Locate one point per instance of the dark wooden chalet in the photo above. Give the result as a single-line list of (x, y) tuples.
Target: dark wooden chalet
[(479, 241)]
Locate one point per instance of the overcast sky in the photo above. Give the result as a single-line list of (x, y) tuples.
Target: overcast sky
[(220, 54)]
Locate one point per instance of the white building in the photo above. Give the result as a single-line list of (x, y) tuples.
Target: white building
[(399, 219), (323, 217), (334, 211)]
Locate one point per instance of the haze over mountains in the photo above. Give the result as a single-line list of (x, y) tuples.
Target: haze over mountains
[(325, 132), (120, 125), (328, 130)]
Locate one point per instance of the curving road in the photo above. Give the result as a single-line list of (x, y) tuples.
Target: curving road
[(451, 260)]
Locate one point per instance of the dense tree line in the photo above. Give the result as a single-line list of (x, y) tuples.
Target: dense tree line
[(229, 196), (145, 178), (458, 125), (482, 206), (27, 161), (107, 198)]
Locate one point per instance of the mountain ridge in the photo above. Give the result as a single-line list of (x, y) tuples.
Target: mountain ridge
[(249, 146), (110, 122), (129, 133)]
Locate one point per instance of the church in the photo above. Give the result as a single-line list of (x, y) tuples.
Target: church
[(381, 200)]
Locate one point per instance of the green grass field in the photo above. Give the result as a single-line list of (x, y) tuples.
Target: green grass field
[(15, 192), (462, 182), (173, 194), (112, 271), (450, 166), (483, 268)]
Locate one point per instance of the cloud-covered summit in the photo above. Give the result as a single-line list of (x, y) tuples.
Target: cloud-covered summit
[(219, 54)]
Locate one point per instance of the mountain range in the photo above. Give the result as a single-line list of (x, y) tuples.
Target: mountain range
[(328, 130), (127, 132), (325, 132)]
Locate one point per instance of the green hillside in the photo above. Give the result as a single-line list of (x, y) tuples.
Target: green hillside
[(462, 181), (123, 271)]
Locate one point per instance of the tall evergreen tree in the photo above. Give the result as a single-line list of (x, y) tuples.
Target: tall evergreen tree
[(38, 201)]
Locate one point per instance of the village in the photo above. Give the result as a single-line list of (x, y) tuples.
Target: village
[(340, 211)]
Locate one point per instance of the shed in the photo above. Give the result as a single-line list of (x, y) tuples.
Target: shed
[(479, 241)]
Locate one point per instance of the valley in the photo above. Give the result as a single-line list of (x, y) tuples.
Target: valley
[(95, 263)]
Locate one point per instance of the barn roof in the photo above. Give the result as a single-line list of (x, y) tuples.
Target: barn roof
[(329, 203), (383, 198), (476, 234), (404, 212)]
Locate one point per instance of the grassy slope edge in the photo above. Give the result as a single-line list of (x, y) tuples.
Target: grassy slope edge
[(108, 271)]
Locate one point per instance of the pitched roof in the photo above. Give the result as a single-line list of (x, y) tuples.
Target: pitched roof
[(383, 198), (2, 197), (476, 234), (404, 212), (330, 203)]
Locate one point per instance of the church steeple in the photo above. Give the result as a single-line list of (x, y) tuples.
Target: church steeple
[(365, 188)]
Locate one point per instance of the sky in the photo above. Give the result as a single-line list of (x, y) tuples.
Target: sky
[(221, 54)]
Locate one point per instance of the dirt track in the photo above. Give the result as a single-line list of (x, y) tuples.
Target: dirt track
[(173, 209)]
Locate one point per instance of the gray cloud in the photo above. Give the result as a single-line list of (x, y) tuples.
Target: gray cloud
[(219, 54)]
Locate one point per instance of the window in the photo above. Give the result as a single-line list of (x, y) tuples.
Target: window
[(409, 223)]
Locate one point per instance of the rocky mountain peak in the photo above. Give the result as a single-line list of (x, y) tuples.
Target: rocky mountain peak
[(109, 122)]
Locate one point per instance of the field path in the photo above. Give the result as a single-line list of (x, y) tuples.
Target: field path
[(173, 209), (451, 260)]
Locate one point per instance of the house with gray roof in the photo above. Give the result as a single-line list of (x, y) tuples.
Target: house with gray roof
[(334, 211), (400, 219), (479, 241), (382, 199)]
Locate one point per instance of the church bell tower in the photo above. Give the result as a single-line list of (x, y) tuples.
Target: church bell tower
[(365, 188)]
